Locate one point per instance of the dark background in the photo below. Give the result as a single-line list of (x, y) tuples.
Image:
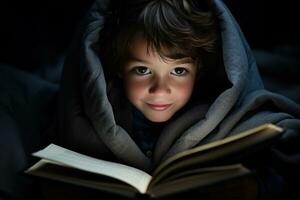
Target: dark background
[(267, 23), (34, 35)]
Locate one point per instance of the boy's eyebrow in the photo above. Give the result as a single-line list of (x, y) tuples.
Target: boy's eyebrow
[(135, 59), (184, 60)]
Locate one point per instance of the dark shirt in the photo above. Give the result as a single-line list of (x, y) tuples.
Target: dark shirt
[(144, 132)]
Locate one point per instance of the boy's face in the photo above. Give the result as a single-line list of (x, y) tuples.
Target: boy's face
[(155, 86)]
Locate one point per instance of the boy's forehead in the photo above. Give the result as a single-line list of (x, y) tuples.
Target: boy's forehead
[(140, 48), (138, 45)]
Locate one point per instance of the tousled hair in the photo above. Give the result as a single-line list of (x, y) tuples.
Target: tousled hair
[(174, 28)]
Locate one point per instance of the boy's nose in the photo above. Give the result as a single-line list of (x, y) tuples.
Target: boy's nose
[(160, 86)]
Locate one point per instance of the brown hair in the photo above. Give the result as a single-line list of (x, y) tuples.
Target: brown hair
[(174, 28)]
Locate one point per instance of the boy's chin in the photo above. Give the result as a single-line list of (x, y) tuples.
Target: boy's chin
[(158, 118)]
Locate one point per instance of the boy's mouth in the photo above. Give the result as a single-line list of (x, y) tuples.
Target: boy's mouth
[(159, 107)]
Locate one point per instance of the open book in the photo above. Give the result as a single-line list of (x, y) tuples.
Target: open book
[(201, 166)]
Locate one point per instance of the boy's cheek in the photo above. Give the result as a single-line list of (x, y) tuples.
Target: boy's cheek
[(134, 90), (184, 90)]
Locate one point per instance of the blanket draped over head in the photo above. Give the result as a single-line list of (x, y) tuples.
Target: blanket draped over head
[(243, 105)]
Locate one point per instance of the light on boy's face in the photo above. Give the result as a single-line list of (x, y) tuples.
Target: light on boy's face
[(155, 86)]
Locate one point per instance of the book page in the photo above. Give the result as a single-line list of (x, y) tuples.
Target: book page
[(134, 177)]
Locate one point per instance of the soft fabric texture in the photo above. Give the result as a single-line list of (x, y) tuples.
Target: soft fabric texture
[(87, 121)]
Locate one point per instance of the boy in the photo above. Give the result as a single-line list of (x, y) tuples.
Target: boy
[(158, 51)]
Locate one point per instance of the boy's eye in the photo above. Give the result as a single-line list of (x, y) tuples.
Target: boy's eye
[(142, 71), (179, 71)]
